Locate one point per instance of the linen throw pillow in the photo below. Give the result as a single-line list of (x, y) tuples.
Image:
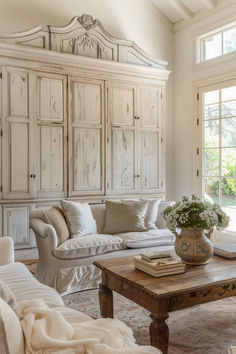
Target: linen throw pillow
[(151, 213), (124, 216), (55, 217), (79, 218), (11, 334), (7, 295)]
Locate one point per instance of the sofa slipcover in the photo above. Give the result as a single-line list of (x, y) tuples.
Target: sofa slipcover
[(89, 245), (150, 238)]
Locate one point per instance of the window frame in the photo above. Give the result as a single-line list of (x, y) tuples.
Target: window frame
[(200, 88), (200, 50)]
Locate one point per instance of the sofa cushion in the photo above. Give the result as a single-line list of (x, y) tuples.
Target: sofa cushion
[(55, 217), (151, 213), (149, 238), (25, 287), (87, 246), (124, 216), (12, 338), (79, 218), (99, 212)]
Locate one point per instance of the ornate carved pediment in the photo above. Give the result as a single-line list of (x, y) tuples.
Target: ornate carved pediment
[(84, 36)]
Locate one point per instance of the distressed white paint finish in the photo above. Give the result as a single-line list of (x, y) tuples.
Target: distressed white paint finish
[(51, 158), (16, 225), (19, 157), (50, 99), (86, 102), (149, 166), (121, 101), (86, 137), (149, 106), (87, 159), (123, 160), (18, 91)]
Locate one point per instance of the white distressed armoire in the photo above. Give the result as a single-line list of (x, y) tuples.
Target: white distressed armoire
[(82, 118)]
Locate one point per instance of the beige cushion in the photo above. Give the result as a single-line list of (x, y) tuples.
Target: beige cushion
[(7, 295), (124, 216), (12, 339), (90, 245), (151, 213), (99, 212), (150, 238), (79, 218), (55, 217)]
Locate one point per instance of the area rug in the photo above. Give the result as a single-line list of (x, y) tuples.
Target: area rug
[(204, 329)]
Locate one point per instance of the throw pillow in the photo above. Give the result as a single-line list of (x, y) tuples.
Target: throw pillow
[(124, 217), (55, 217), (151, 213), (79, 218), (12, 338), (7, 295)]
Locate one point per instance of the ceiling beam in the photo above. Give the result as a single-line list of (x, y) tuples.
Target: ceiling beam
[(182, 10), (209, 4)]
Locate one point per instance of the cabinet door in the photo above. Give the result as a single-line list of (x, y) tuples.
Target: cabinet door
[(150, 111), (122, 166), (50, 108), (18, 162), (86, 132), (16, 225)]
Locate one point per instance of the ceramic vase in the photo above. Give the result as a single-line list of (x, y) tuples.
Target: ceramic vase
[(193, 246)]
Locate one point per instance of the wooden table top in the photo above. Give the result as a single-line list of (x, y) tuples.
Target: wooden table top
[(217, 271)]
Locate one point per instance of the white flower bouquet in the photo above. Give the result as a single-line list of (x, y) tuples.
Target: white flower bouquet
[(195, 214)]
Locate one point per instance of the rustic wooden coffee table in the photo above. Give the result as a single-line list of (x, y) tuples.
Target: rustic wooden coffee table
[(200, 284)]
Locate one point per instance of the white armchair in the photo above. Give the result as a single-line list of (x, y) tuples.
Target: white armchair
[(6, 251)]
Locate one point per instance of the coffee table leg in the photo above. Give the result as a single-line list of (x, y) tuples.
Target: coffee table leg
[(106, 301), (159, 332)]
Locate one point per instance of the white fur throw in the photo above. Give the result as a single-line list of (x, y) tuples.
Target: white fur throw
[(47, 331)]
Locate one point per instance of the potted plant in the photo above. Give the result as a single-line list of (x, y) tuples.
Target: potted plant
[(192, 221)]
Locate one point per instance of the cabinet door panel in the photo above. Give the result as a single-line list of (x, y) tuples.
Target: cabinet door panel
[(149, 161), (19, 157), (18, 83), (149, 107), (122, 106), (50, 99), (123, 160), (16, 225), (86, 102), (87, 159), (51, 159)]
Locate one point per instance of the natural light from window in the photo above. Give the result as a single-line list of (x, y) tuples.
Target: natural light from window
[(217, 43), (219, 149)]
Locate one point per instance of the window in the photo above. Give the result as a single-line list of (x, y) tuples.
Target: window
[(217, 43), (218, 146)]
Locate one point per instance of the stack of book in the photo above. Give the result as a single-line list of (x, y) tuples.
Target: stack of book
[(159, 267), (226, 250)]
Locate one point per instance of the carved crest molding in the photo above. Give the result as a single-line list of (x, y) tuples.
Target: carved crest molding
[(83, 36)]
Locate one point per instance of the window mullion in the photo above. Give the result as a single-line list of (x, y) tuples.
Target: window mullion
[(220, 149)]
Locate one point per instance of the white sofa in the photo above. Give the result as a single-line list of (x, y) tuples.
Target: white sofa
[(25, 287), (68, 265)]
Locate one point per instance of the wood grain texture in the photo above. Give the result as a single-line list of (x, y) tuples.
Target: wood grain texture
[(200, 284)]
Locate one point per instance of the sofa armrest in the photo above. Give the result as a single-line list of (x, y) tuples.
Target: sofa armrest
[(45, 232), (6, 251), (161, 223)]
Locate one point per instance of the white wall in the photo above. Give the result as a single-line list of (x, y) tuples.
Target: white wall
[(137, 20), (186, 74)]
